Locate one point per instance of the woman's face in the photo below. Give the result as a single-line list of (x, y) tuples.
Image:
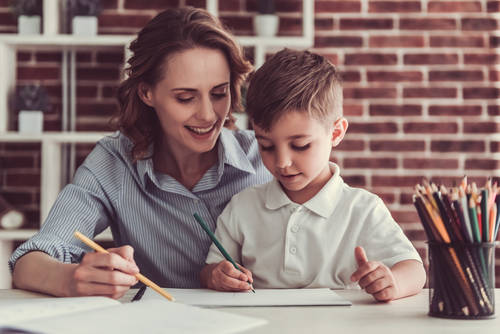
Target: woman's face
[(192, 100)]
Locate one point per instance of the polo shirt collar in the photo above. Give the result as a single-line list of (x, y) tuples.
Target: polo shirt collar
[(323, 203)]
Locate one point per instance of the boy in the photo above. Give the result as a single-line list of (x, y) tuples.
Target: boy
[(307, 228)]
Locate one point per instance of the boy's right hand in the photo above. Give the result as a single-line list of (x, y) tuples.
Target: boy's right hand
[(100, 274), (223, 276)]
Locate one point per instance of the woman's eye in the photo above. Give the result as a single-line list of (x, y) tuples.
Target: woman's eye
[(219, 95), (266, 148), (301, 148), (184, 99)]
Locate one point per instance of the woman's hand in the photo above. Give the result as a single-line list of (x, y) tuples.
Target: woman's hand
[(100, 274), (223, 276)]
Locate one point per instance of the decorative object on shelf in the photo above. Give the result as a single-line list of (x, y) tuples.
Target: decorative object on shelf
[(31, 101), (29, 16), (10, 218), (266, 21), (84, 16)]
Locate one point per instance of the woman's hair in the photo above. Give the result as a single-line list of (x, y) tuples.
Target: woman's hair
[(171, 31), (294, 81)]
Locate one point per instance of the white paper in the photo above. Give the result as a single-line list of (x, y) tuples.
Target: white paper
[(148, 316), (261, 297)]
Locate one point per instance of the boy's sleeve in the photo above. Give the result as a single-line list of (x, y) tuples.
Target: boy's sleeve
[(384, 240), (227, 232)]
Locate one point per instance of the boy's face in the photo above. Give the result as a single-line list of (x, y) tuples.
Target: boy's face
[(296, 150)]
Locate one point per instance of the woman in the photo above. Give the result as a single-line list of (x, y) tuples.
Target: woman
[(171, 158)]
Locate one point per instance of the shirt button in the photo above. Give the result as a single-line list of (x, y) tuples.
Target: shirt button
[(295, 228), (293, 250)]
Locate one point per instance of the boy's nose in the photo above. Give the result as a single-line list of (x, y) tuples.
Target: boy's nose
[(283, 160)]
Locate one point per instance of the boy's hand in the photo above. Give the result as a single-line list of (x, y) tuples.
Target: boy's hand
[(374, 277), (223, 276)]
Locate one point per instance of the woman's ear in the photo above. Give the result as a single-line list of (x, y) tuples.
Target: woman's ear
[(339, 130), (145, 94)]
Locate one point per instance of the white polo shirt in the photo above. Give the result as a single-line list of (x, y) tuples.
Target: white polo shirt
[(288, 245)]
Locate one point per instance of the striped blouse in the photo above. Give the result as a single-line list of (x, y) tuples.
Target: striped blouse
[(148, 210)]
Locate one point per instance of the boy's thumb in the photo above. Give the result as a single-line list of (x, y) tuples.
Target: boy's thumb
[(360, 255)]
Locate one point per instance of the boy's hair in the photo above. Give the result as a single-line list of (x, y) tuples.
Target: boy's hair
[(294, 81)]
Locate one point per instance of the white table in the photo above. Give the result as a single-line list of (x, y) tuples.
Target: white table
[(404, 316)]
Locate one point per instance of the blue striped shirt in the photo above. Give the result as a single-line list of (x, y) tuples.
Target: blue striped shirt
[(148, 210)]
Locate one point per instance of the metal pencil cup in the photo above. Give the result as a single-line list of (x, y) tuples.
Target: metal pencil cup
[(462, 280)]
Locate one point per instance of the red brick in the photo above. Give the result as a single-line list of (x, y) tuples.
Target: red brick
[(197, 3), (108, 91), (354, 180), (394, 6), (394, 76), (353, 109), (97, 73), (110, 57), (484, 164), (479, 24), (456, 110), (388, 198), (396, 41), (54, 91), (384, 127), (22, 161), (494, 41), (17, 198), (495, 146), (97, 125), (366, 24), (29, 147), (48, 56), (109, 4), (397, 145), (337, 6), (395, 110), (351, 76), (405, 198), (150, 4), (83, 57), (405, 216), (8, 19), (23, 179), (481, 59), (430, 127), (494, 110), (38, 73), (123, 20), (371, 59), (457, 41), (427, 24), (395, 181), (481, 127), (290, 26), (430, 59), (433, 163), (350, 145), (370, 163), (456, 75), (493, 6), (453, 6), (333, 58), (457, 146), (288, 6), (86, 91), (428, 92), (323, 23), (96, 109), (229, 5), (23, 56), (481, 93), (370, 93), (337, 41)]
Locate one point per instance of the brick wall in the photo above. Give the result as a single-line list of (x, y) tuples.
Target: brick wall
[(421, 87)]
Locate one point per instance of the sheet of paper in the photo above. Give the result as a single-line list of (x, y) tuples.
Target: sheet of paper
[(261, 297), (14, 310), (148, 316)]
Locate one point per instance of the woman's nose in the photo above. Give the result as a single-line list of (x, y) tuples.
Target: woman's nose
[(205, 110)]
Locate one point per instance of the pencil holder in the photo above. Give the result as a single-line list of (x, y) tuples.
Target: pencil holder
[(462, 280)]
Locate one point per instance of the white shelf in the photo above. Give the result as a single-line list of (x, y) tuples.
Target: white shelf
[(21, 235), (56, 137), (60, 41)]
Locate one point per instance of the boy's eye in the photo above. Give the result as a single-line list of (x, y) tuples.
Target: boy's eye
[(301, 148)]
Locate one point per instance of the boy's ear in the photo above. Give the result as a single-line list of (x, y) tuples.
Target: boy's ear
[(144, 92), (339, 130)]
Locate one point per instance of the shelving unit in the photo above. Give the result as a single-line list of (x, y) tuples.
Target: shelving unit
[(52, 142)]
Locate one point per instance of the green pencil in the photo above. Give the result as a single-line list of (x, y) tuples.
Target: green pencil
[(217, 243)]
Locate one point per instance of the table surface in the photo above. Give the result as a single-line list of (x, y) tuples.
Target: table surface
[(407, 315)]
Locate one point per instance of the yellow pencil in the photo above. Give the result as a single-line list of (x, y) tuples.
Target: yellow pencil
[(139, 276)]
